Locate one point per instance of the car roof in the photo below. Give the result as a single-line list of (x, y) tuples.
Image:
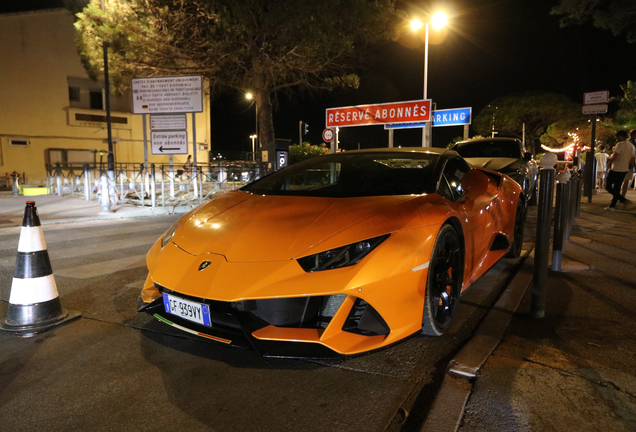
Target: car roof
[(426, 150), (489, 139)]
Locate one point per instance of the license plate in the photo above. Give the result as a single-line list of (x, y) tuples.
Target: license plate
[(186, 309)]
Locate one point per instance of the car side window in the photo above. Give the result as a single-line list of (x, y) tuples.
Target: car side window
[(453, 174)]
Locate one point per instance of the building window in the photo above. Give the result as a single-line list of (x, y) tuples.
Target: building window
[(19, 142), (97, 101), (74, 94), (86, 94), (81, 117)]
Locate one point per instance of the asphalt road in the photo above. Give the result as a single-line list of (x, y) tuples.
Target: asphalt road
[(115, 369)]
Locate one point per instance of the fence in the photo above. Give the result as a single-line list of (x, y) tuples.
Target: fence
[(160, 184)]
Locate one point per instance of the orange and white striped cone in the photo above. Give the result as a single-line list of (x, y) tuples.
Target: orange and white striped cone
[(34, 303)]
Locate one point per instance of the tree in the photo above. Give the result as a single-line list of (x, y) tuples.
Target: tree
[(625, 117), (260, 46), (618, 16), (536, 110), (559, 132)]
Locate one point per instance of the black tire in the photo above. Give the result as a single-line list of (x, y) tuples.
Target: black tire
[(517, 238), (444, 282)]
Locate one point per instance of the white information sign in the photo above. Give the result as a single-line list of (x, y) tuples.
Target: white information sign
[(169, 142), (599, 97), (595, 109), (164, 95), (168, 122)]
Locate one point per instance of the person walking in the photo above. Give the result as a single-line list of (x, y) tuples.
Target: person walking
[(630, 171), (623, 154), (601, 167), (187, 167)]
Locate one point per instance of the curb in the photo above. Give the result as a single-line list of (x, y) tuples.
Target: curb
[(447, 410)]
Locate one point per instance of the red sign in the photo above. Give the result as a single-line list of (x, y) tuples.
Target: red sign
[(397, 112), (327, 135)]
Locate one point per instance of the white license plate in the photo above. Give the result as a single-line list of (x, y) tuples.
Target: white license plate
[(186, 309)]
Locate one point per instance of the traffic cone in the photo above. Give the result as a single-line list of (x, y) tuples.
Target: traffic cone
[(34, 304)]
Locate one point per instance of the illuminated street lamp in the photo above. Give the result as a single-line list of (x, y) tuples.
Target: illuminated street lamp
[(438, 21), (253, 137)]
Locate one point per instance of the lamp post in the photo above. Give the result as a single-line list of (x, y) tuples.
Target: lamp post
[(492, 124), (438, 21), (110, 172), (249, 96), (253, 137)]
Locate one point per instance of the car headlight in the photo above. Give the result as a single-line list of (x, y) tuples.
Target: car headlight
[(343, 256), (167, 237)]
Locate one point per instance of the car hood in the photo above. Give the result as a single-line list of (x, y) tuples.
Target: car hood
[(500, 164), (245, 227)]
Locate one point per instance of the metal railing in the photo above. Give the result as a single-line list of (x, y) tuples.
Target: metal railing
[(160, 184)]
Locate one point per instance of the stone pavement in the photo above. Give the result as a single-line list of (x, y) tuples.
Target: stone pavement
[(574, 370), (55, 209)]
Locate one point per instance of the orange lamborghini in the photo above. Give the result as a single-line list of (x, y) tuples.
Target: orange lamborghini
[(336, 255)]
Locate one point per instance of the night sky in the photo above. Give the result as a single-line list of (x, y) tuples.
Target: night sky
[(493, 48)]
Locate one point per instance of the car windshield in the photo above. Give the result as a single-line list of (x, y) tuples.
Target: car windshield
[(495, 148), (347, 175)]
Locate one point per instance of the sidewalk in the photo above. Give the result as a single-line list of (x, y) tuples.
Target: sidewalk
[(55, 209), (574, 370)]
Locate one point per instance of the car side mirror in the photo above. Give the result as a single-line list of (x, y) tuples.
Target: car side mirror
[(527, 156)]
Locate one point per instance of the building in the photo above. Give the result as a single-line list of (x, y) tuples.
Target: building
[(52, 112)]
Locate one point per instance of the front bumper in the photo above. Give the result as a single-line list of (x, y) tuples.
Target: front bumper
[(246, 329)]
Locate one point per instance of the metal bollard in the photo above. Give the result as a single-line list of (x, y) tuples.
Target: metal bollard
[(87, 183), (571, 205), (579, 178), (171, 181), (195, 184), (200, 184), (16, 189), (153, 197), (58, 178), (163, 185), (542, 248), (560, 219), (566, 205), (105, 199), (122, 194), (142, 184)]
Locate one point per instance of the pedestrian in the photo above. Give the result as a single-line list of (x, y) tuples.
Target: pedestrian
[(188, 163), (601, 165), (187, 167), (621, 157), (630, 171)]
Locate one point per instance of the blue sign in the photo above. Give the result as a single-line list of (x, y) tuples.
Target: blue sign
[(446, 117), (404, 125), (452, 117)]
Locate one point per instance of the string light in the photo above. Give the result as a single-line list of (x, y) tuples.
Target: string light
[(559, 150)]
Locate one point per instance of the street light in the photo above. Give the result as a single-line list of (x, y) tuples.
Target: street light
[(438, 21), (253, 137)]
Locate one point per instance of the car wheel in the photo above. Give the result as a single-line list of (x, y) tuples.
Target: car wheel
[(444, 282), (517, 236)]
